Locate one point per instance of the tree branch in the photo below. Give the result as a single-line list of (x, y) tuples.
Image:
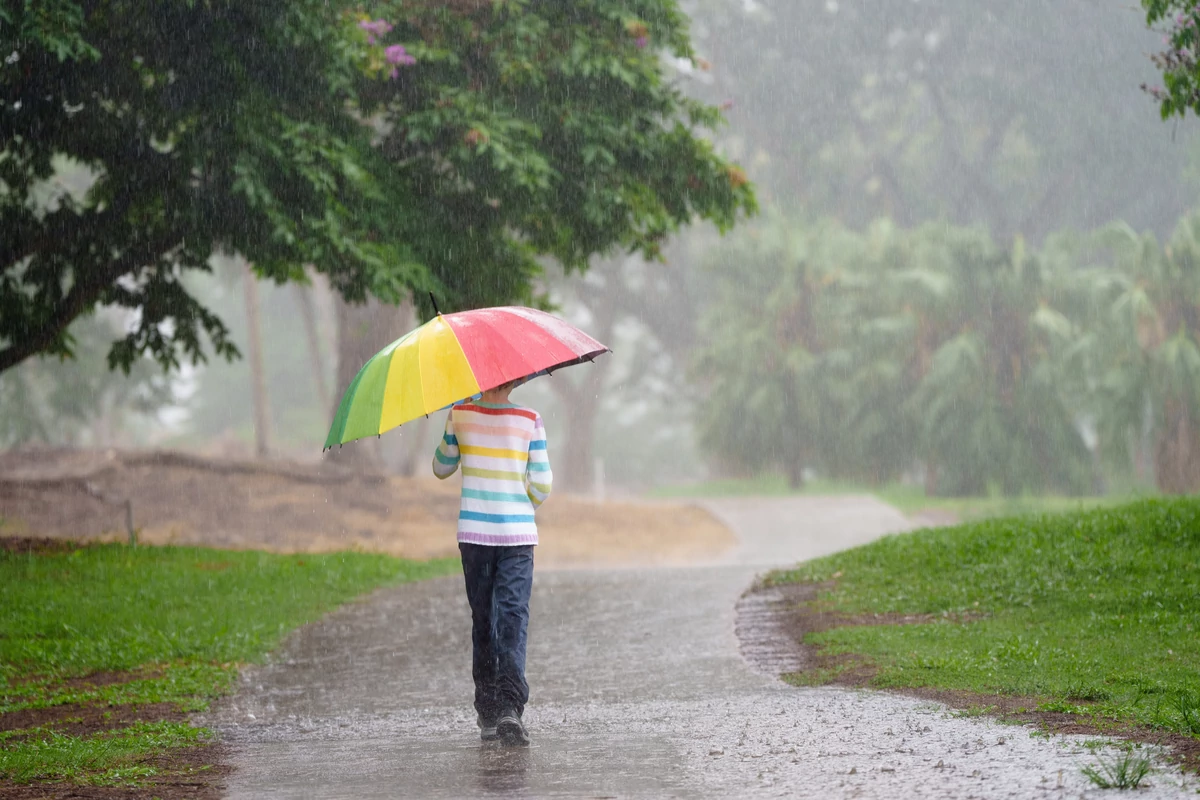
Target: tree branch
[(976, 182), (89, 286)]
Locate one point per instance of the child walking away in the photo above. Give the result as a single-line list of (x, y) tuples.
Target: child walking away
[(506, 476)]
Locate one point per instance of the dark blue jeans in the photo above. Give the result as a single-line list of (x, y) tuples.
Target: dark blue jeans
[(499, 581)]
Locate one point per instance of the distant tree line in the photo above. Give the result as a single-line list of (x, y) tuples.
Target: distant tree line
[(935, 353)]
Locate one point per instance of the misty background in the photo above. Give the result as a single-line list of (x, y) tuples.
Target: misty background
[(967, 275)]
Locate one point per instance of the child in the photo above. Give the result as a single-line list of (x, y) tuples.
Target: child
[(506, 476)]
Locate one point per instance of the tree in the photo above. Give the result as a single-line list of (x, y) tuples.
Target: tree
[(646, 311), (207, 126), (1179, 63), (983, 113), (258, 376), (865, 355), (421, 147), (62, 403), (916, 111), (1146, 346), (766, 398), (992, 409)]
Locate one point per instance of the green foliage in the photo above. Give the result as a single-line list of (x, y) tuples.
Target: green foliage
[(105, 759), (1094, 611), (768, 400), (1179, 21), (285, 131), (858, 354), (1143, 348), (1126, 771)]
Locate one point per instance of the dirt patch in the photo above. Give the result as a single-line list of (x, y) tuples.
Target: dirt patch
[(792, 611), (178, 498), (84, 720), (186, 772), (26, 545)]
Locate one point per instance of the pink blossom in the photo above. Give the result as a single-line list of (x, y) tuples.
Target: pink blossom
[(396, 54), (375, 28), (641, 42)]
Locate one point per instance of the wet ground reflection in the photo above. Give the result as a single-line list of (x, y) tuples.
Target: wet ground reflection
[(638, 689), (503, 770)]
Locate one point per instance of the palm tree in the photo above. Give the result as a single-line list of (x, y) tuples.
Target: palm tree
[(1147, 341), (991, 405), (770, 345), (867, 355)]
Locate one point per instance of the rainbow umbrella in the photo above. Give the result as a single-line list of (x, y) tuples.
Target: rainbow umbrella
[(451, 358)]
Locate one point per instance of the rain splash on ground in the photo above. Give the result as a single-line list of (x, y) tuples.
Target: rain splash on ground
[(638, 690)]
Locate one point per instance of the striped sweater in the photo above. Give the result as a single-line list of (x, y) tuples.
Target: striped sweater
[(506, 472)]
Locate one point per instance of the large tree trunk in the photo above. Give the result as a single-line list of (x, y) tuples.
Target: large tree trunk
[(578, 455), (580, 394), (795, 473), (316, 358), (413, 449), (363, 330), (1177, 453), (931, 478), (258, 375)]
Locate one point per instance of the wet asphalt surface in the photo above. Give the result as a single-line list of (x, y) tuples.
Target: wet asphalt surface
[(638, 689)]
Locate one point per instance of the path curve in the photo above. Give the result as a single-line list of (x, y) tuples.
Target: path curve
[(638, 690)]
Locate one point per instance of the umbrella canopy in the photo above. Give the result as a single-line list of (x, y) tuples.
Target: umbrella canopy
[(451, 358)]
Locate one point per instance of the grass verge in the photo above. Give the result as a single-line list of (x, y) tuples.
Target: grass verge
[(104, 650), (908, 498), (1088, 616)]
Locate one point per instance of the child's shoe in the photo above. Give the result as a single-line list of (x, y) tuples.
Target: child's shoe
[(510, 729), (487, 729)]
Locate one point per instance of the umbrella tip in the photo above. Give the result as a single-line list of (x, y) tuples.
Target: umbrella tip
[(433, 300)]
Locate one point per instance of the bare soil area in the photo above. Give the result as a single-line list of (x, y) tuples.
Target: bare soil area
[(796, 613), (186, 772), (177, 498)]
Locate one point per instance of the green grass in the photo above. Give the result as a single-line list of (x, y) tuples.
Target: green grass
[(1096, 612), (104, 758), (906, 497), (176, 621), (189, 685), (1126, 771)]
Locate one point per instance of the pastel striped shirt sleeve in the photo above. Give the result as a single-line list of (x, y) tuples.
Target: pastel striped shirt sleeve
[(446, 457), (538, 477)]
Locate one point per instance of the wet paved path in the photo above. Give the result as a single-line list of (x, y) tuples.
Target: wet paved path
[(638, 690)]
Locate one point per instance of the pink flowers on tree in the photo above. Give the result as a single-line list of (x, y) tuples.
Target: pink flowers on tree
[(393, 54), (1180, 59), (375, 28), (397, 55)]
